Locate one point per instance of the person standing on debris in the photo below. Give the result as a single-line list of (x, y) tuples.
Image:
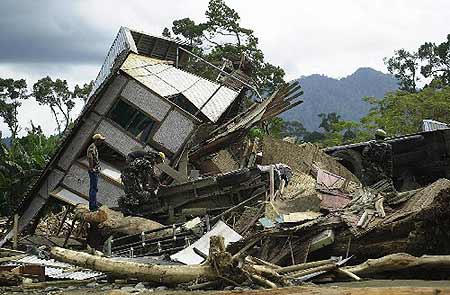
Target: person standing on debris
[(94, 170), (377, 160), (140, 180)]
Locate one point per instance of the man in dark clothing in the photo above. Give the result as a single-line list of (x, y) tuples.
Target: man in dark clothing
[(94, 170), (140, 181), (377, 160)]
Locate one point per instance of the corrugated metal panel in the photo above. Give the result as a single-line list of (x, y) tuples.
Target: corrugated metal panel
[(154, 83), (121, 44), (189, 257), (166, 80), (59, 270), (431, 125)]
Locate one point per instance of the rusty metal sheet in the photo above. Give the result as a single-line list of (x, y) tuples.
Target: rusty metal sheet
[(333, 202)]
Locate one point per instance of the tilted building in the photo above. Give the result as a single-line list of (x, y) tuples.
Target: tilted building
[(140, 99)]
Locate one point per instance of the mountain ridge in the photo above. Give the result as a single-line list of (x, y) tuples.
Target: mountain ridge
[(323, 94)]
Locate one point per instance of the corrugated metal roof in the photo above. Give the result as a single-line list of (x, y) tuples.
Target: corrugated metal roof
[(431, 125), (121, 43), (59, 270), (166, 80)]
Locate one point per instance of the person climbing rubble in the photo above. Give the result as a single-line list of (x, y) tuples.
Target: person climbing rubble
[(377, 161), (140, 181), (94, 170)]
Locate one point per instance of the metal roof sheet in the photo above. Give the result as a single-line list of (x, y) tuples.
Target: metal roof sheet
[(431, 125), (211, 98), (59, 270)]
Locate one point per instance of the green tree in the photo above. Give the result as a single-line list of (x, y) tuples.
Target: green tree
[(275, 127), (82, 91), (61, 101), (328, 120), (20, 164), (56, 95), (12, 92), (437, 60), (404, 66), (314, 136), (294, 128), (433, 60), (221, 38), (402, 112)]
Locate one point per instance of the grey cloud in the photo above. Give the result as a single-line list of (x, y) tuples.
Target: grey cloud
[(49, 31)]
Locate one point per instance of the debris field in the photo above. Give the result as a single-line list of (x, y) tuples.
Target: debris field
[(233, 210)]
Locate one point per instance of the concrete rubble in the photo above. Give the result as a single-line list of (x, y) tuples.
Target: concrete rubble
[(233, 211)]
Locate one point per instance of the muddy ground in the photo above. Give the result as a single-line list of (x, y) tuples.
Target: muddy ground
[(369, 287)]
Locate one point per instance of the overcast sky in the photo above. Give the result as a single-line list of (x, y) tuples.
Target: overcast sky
[(69, 39)]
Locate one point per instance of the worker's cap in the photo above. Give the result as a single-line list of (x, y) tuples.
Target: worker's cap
[(98, 136), (162, 155), (380, 133)]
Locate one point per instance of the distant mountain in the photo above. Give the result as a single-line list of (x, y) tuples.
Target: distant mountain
[(343, 96)]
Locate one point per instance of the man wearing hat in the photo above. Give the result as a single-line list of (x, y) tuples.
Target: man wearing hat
[(377, 160), (94, 169)]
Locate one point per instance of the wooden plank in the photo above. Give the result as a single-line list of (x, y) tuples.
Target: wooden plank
[(321, 240), (15, 230), (177, 176), (182, 165), (272, 184), (63, 220)]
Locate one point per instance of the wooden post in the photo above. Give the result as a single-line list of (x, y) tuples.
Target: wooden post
[(282, 186), (272, 184), (63, 220), (16, 230), (108, 247), (69, 233), (183, 165)]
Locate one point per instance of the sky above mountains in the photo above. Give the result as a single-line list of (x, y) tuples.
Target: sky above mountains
[(69, 39)]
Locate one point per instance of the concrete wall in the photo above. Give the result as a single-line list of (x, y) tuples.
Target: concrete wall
[(117, 138), (112, 92), (146, 100), (50, 183), (78, 180), (80, 140), (174, 131)]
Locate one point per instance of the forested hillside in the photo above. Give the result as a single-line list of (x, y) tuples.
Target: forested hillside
[(341, 96)]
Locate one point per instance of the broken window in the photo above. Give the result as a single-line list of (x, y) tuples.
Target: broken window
[(132, 119)]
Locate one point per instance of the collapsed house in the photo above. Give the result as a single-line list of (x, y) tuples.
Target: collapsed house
[(234, 209), (143, 99)]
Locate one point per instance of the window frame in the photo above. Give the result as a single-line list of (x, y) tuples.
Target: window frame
[(152, 132)]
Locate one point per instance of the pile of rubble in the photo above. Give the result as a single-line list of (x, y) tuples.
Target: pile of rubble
[(233, 208), (309, 221)]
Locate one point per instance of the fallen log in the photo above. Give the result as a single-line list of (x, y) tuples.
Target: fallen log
[(162, 274), (110, 222), (398, 262)]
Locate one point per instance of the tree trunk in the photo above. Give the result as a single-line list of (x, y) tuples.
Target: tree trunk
[(398, 262), (110, 222), (162, 274)]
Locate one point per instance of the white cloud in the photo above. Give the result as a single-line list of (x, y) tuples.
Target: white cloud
[(304, 37)]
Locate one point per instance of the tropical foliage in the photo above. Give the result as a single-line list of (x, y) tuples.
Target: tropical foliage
[(21, 163), (222, 41), (23, 158)]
